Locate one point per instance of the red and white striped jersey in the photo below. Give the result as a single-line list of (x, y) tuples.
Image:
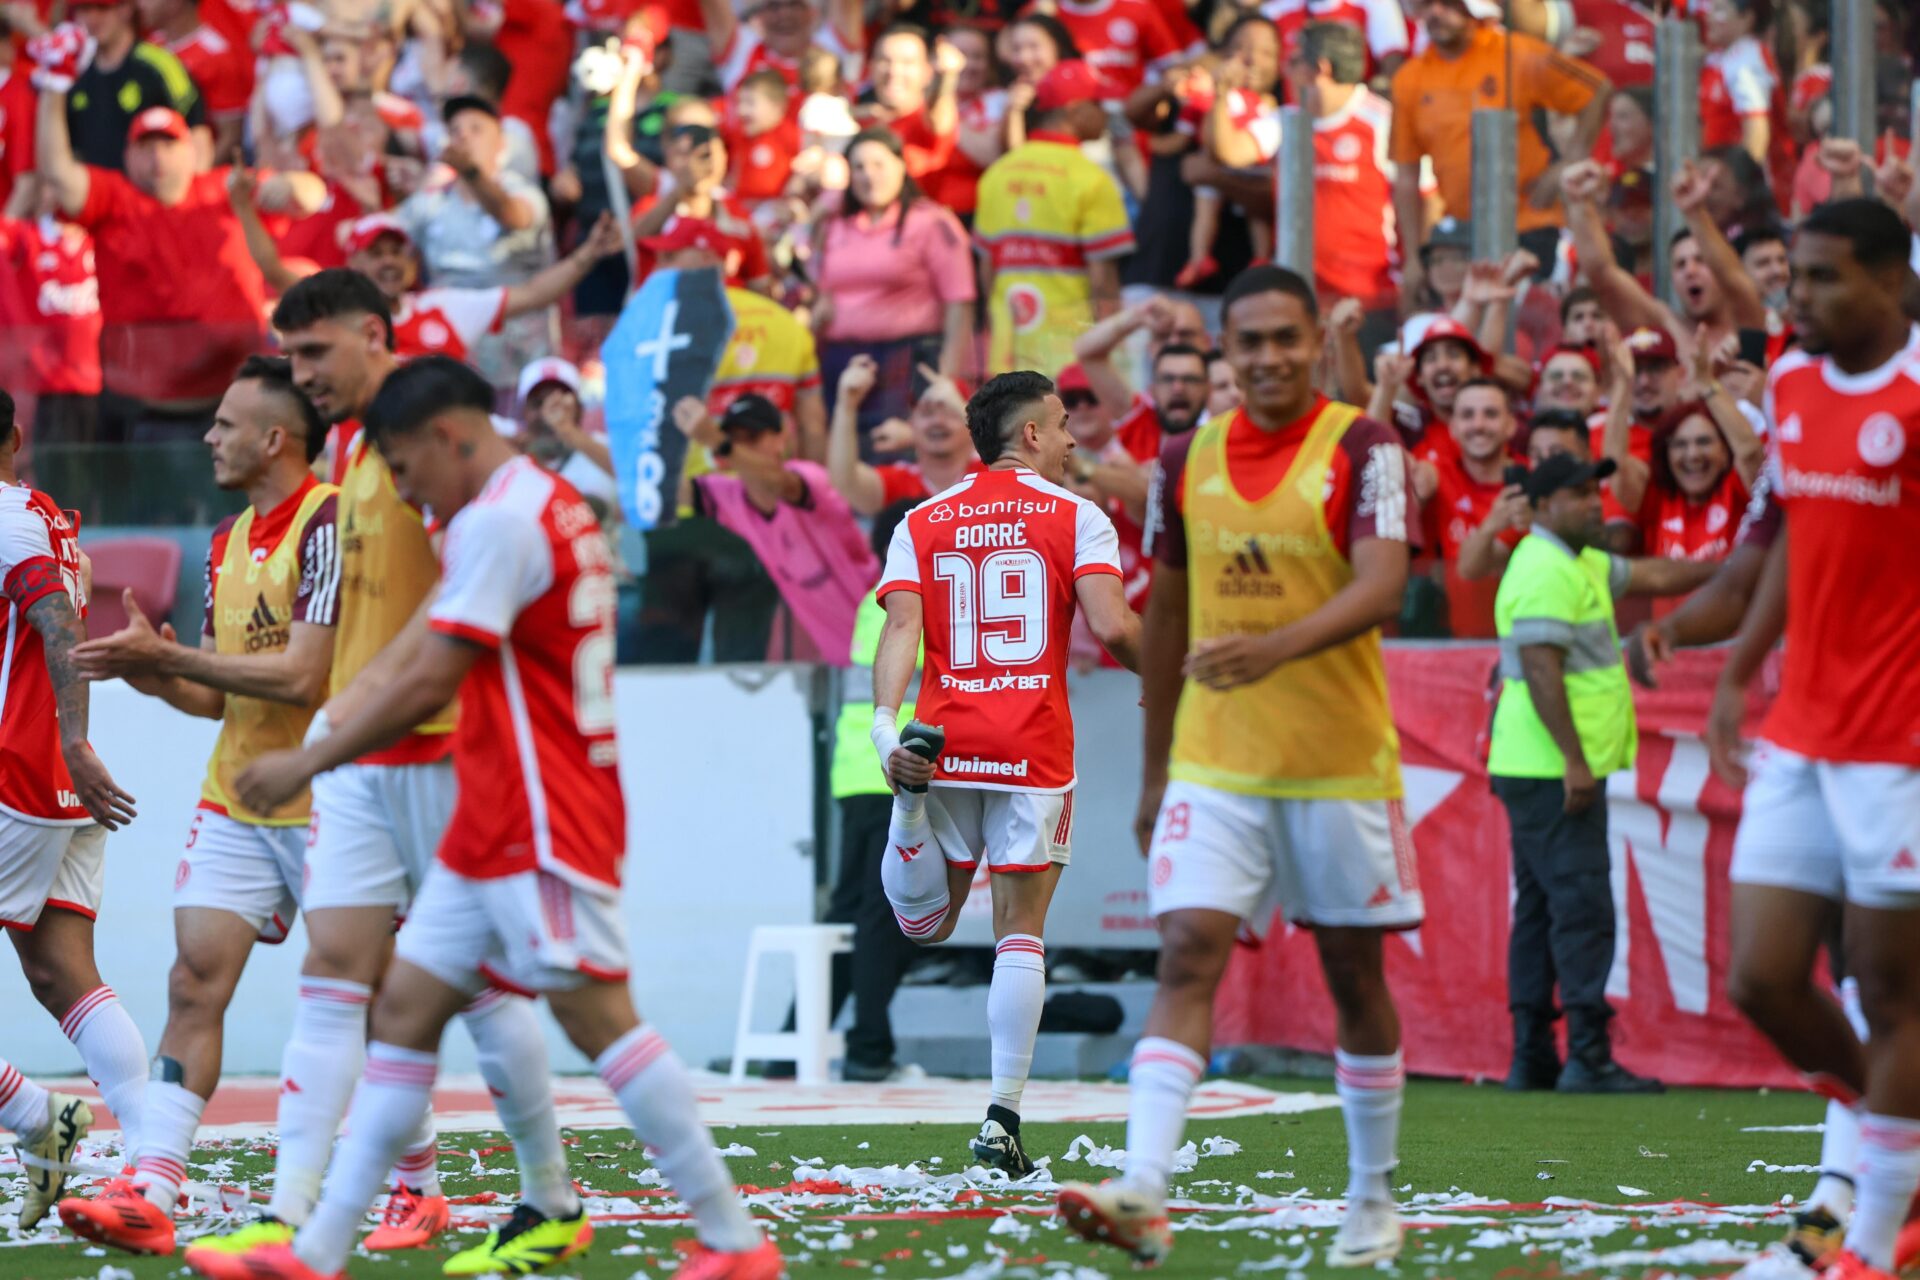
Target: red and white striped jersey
[(995, 561), (39, 555), (526, 575), (446, 322)]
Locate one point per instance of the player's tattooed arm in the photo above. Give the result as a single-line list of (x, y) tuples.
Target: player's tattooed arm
[(61, 630)]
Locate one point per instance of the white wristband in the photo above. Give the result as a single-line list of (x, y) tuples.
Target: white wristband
[(318, 729), (886, 733)]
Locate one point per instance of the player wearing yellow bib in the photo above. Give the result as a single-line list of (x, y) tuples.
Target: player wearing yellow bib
[(273, 578), (377, 822), (1283, 547)]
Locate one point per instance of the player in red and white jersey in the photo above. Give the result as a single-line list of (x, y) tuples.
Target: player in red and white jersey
[(1832, 809), (1382, 22), (57, 800), (1127, 42), (990, 573), (524, 893)]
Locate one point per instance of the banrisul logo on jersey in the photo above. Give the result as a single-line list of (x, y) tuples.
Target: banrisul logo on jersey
[(955, 509)]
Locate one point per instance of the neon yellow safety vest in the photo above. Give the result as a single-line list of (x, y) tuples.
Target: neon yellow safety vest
[(1551, 596), (856, 769)]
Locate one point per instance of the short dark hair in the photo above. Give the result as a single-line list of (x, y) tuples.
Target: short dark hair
[(487, 67), (332, 294), (1563, 420), (6, 410), (915, 30), (1267, 278), (419, 390), (1179, 349), (1506, 392), (1063, 41), (1766, 233), (885, 521), (1342, 47), (1575, 296), (1878, 237), (996, 404), (275, 373)]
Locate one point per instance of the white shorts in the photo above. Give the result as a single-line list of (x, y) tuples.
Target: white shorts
[(1013, 830), (1338, 863), (250, 870), (375, 830), (46, 866), (526, 933), (1842, 831)]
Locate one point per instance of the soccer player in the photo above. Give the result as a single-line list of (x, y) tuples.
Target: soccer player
[(1832, 808), (273, 579), (57, 800), (991, 571), (525, 890), (1283, 535), (376, 822)]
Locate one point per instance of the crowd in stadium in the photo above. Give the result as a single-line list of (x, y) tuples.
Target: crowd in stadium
[(906, 198)]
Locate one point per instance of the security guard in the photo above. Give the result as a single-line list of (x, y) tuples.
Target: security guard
[(881, 952), (1565, 721)]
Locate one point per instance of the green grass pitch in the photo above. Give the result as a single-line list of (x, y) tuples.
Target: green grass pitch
[(1495, 1185)]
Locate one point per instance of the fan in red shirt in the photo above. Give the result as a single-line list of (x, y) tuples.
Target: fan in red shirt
[(1688, 498), (537, 40), (16, 122), (988, 575), (1743, 101), (50, 312), (915, 94), (778, 34), (1382, 24), (181, 298), (1831, 810), (1125, 41), (221, 67), (762, 139), (697, 165), (524, 893), (1457, 491)]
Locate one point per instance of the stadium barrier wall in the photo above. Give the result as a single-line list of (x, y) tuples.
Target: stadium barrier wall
[(724, 802)]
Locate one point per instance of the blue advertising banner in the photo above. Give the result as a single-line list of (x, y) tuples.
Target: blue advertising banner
[(667, 344)]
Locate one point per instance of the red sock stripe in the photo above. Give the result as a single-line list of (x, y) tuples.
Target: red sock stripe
[(417, 1161), (1157, 1058), (634, 1059), (10, 1082), (327, 995), (1370, 1077), (391, 1071), (486, 1000), (162, 1169), (924, 925), (1012, 945), (1890, 1137), (83, 1009)]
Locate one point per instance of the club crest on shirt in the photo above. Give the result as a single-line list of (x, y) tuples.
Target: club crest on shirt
[(1882, 440)]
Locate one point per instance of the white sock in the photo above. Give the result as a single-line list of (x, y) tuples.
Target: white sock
[(513, 1060), (166, 1136), (1014, 999), (418, 1168), (115, 1055), (1839, 1158), (653, 1089), (394, 1092), (325, 1053), (1883, 1193), (1371, 1087), (23, 1105), (1160, 1084), (913, 873)]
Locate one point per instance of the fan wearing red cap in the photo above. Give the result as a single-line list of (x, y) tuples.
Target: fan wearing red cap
[(1659, 381), (1446, 358), (1053, 226)]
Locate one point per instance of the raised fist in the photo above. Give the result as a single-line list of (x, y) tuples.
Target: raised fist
[(60, 57)]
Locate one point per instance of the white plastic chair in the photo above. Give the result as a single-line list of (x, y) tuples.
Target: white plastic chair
[(812, 1043)]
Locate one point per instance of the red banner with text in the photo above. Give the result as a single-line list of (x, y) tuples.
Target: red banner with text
[(1671, 824)]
